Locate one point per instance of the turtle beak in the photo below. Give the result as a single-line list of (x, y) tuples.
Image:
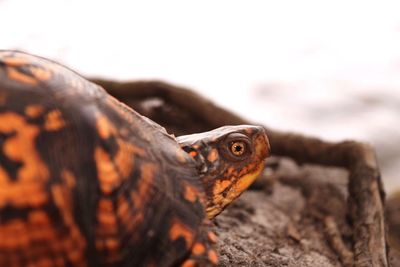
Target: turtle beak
[(261, 142)]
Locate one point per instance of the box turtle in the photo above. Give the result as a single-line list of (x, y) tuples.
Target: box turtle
[(87, 181)]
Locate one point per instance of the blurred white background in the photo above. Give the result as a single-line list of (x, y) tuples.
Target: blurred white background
[(324, 68)]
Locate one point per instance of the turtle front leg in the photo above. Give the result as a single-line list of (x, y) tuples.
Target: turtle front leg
[(202, 252)]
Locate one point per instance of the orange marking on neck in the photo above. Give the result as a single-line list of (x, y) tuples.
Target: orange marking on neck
[(213, 257), (189, 263), (193, 154), (212, 237), (245, 178), (220, 186), (212, 155), (198, 249)]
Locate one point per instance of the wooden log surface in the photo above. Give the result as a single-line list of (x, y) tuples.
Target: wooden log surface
[(317, 204)]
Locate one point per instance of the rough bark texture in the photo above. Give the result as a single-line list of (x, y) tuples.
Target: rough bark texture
[(393, 222), (295, 215)]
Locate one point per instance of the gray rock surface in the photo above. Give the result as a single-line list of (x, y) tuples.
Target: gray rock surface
[(280, 222)]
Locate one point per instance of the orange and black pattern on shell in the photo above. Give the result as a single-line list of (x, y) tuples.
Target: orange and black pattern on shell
[(81, 175)]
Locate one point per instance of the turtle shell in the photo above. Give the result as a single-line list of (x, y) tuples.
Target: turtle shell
[(84, 179)]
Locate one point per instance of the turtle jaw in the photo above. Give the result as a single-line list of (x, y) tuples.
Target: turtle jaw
[(222, 197), (235, 180)]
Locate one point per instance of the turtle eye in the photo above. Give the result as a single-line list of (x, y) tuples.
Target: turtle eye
[(238, 148)]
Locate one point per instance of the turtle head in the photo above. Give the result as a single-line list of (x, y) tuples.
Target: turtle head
[(228, 160)]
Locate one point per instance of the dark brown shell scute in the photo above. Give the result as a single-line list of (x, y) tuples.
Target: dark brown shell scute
[(90, 181)]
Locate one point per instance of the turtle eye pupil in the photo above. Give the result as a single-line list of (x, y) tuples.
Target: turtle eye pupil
[(238, 148)]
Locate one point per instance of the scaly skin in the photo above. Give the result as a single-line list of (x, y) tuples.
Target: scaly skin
[(224, 175)]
